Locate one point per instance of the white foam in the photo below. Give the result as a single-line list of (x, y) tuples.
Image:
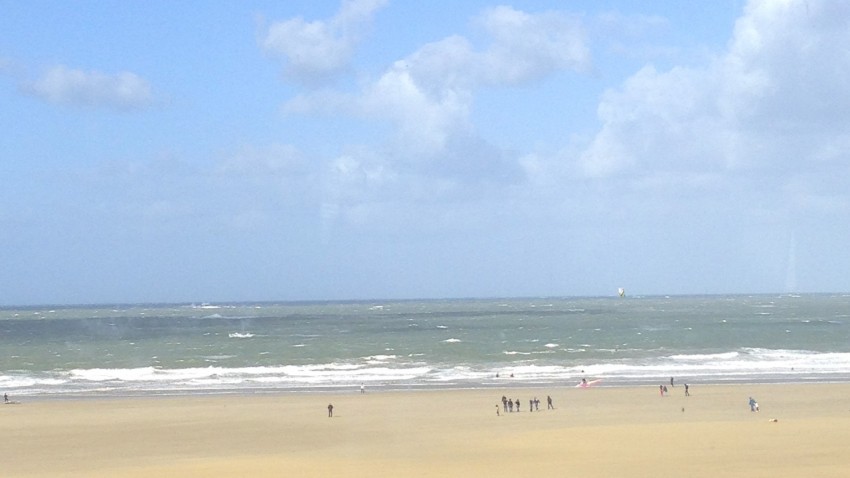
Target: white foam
[(452, 341), (238, 335)]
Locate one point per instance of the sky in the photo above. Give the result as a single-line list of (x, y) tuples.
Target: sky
[(166, 151)]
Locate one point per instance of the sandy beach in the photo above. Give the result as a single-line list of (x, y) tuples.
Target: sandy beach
[(596, 432)]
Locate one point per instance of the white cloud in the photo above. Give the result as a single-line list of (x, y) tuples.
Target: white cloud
[(315, 51), (528, 47), (121, 91), (436, 155), (425, 119), (775, 101), (429, 94)]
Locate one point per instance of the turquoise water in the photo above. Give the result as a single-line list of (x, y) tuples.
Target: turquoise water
[(420, 344)]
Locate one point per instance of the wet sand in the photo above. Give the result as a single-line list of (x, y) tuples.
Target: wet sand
[(596, 432)]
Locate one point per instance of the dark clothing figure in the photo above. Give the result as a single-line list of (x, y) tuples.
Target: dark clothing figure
[(671, 382), (330, 410), (5, 398), (536, 404), (549, 403), (687, 393), (531, 405), (505, 403), (510, 405)]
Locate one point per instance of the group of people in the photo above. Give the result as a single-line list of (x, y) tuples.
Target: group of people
[(754, 405), (662, 389), (509, 405)]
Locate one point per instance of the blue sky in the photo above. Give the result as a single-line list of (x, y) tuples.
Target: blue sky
[(377, 149)]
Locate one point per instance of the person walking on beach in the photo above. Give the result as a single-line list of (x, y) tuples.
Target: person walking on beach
[(549, 405), (511, 405), (687, 393), (497, 410), (505, 403), (330, 410), (754, 406), (5, 398)]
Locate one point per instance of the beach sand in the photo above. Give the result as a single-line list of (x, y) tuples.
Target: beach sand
[(595, 432)]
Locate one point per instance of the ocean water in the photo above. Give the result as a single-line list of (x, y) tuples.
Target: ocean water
[(269, 347)]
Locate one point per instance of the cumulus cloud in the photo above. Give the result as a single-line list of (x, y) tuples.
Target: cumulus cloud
[(429, 94), (527, 46), (773, 102), (315, 51), (436, 155), (67, 86)]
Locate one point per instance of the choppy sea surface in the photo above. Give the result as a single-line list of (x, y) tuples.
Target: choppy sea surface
[(269, 347)]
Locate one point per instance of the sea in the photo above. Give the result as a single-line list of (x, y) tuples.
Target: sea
[(179, 349)]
